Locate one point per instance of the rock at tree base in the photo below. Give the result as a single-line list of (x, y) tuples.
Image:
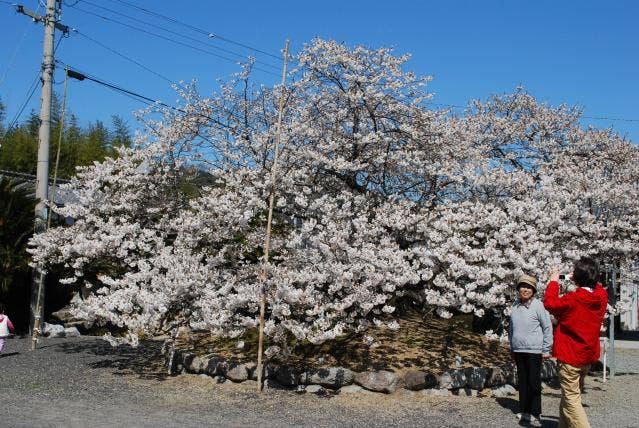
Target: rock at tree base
[(215, 366), (71, 332), (331, 377), (382, 381), (286, 376), (496, 377), (195, 364), (237, 373), (510, 372), (252, 370), (52, 330), (504, 391), (312, 389), (453, 379), (476, 377), (415, 380)]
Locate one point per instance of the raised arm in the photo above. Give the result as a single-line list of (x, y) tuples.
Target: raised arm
[(554, 304)]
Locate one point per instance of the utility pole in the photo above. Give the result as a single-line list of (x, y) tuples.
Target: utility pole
[(44, 136)]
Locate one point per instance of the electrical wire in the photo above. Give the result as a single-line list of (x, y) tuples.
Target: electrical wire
[(75, 30), (30, 92), (32, 88), (134, 95), (27, 177), (199, 30), (583, 116), (170, 39), (202, 31), (175, 33), (18, 45), (610, 118)]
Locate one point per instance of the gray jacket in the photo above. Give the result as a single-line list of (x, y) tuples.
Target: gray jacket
[(530, 328)]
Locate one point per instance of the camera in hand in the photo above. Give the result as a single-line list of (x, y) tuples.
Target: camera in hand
[(563, 276)]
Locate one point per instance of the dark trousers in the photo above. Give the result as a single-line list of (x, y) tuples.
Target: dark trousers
[(529, 374)]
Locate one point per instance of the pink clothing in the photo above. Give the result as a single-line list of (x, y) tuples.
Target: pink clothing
[(9, 324)]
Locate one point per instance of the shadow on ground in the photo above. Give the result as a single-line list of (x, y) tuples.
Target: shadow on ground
[(145, 361), (513, 405)]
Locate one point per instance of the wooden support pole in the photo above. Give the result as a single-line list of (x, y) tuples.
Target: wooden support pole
[(271, 204)]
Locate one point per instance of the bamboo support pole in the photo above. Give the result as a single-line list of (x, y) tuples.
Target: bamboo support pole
[(271, 204)]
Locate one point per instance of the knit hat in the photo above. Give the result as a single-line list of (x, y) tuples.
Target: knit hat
[(528, 280)]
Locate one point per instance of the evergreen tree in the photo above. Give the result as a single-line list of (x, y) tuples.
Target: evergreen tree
[(3, 113), (121, 134), (16, 227), (78, 146), (94, 144)]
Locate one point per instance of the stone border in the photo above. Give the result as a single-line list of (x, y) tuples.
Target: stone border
[(472, 381)]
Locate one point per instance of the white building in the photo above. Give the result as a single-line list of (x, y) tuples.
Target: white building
[(629, 294)]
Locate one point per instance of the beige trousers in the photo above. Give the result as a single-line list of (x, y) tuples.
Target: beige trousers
[(571, 412)]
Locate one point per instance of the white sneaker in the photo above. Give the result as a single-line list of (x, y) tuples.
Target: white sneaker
[(535, 422), (524, 417)]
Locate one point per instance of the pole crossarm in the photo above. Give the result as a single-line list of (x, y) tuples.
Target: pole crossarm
[(39, 18)]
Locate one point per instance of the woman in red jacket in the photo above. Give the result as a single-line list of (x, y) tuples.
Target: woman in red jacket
[(576, 342)]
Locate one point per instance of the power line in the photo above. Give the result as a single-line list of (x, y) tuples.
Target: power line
[(28, 177), (169, 39), (30, 92), (134, 95), (199, 30), (208, 52), (174, 33), (582, 116), (122, 55), (18, 45), (610, 118)]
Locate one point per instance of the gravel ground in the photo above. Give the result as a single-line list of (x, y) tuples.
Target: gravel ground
[(84, 382)]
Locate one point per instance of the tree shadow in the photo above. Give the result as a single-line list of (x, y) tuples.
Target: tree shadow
[(9, 354), (422, 343), (145, 361)]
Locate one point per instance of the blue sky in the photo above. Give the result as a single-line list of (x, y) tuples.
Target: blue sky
[(572, 52)]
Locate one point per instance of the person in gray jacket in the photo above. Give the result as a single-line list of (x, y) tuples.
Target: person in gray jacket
[(530, 336)]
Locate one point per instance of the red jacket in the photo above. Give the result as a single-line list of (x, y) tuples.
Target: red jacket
[(579, 315)]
